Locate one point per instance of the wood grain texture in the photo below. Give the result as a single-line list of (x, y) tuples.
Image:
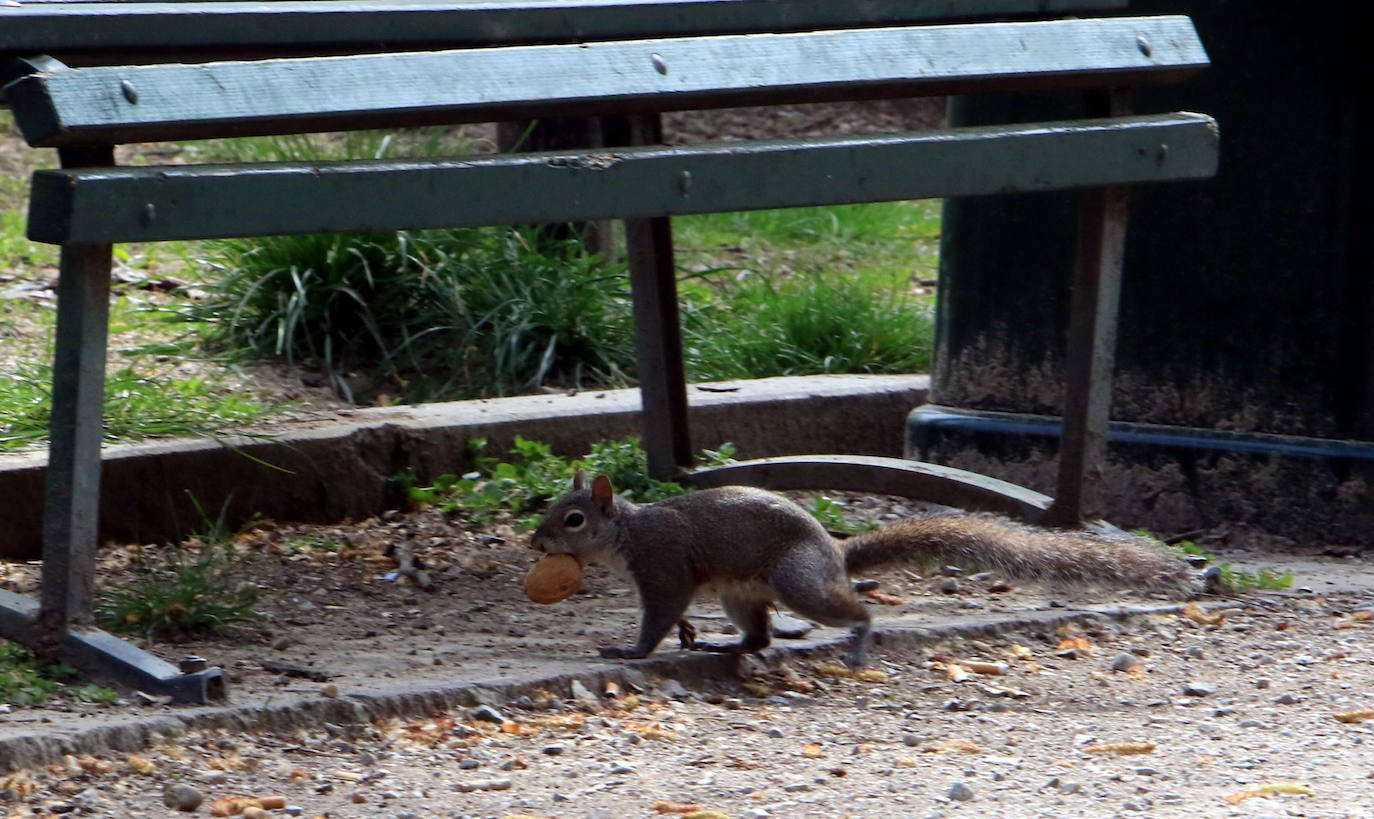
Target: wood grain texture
[(186, 202), (122, 104)]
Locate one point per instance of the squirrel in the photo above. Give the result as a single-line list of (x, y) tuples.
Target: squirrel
[(755, 548)]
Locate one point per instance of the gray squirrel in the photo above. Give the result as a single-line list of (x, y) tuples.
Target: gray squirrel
[(754, 548)]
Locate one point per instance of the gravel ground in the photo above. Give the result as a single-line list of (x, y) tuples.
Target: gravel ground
[(1192, 714)]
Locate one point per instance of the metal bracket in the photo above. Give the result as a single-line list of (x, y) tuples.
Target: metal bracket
[(104, 656)]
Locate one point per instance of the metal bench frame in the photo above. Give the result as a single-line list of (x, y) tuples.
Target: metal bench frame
[(90, 203)]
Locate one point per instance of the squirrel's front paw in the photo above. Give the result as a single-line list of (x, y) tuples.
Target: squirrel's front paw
[(623, 653)]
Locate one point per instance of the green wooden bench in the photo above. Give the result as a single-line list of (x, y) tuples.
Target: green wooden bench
[(576, 59)]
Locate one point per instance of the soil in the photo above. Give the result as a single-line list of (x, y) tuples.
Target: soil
[(1244, 697)]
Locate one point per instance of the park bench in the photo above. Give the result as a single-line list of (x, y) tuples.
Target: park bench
[(375, 65)]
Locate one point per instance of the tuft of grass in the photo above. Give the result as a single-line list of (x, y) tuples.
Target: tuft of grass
[(433, 315), (808, 323), (181, 590)]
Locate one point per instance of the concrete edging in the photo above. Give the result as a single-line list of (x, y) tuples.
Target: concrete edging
[(339, 469), (50, 745)]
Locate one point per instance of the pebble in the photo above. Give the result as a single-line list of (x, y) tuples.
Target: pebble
[(1125, 662), (1195, 653), (214, 778), (675, 690), (182, 797), (486, 713), (1288, 699), (959, 792), (948, 586), (554, 750), (776, 733), (1199, 689), (482, 785)]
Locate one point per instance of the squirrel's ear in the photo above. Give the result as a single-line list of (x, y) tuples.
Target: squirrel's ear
[(580, 479), (602, 494)]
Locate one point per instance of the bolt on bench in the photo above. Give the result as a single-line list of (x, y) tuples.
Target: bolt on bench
[(89, 204)]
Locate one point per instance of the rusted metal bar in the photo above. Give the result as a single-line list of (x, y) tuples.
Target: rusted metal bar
[(1091, 353), (658, 331)]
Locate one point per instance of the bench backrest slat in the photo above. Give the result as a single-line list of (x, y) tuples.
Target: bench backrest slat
[(124, 104), (99, 205), (210, 28)]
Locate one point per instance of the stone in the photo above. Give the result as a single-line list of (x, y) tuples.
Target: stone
[(486, 713), (1199, 689), (960, 792), (182, 797), (1125, 662)]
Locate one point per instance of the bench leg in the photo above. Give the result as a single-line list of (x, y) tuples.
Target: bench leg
[(658, 331), (1091, 350), (72, 492), (1091, 355)]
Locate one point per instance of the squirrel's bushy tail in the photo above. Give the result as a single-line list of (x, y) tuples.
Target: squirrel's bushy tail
[(1022, 553)]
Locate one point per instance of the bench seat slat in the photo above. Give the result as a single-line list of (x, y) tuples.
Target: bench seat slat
[(188, 202), (125, 104)]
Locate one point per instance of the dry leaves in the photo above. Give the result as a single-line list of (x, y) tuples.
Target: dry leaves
[(1119, 748), (1268, 789)]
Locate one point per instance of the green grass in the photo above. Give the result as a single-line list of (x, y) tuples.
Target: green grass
[(140, 404), (182, 590)]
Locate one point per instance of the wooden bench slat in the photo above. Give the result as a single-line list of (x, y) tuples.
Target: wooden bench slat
[(186, 202), (125, 104), (61, 28)]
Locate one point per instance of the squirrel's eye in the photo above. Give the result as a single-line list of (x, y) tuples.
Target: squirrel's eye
[(574, 520)]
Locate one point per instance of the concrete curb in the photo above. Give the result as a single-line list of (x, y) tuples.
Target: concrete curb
[(339, 469), (49, 744)]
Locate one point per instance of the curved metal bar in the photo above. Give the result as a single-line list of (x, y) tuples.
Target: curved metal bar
[(887, 476)]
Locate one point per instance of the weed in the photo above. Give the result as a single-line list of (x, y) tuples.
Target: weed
[(181, 590), (1231, 580), (831, 516), (23, 682), (533, 476)]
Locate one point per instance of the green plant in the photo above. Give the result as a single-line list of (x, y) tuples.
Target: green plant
[(181, 589), (831, 516), (532, 477), (1231, 580), (24, 682)]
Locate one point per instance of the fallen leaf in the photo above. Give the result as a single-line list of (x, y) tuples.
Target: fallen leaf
[(1121, 748), (705, 814), (985, 667), (885, 599), (1196, 613), (140, 764), (664, 806), (1267, 788), (1358, 715), (870, 675)]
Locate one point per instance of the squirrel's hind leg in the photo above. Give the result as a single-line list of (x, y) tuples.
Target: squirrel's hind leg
[(811, 581), (751, 614)]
